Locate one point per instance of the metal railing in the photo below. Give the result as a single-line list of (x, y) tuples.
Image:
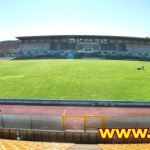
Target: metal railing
[(101, 120)]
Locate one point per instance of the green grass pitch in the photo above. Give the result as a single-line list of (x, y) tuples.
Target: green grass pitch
[(75, 79)]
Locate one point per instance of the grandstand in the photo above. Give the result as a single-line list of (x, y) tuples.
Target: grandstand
[(86, 46), (9, 48), (59, 46)]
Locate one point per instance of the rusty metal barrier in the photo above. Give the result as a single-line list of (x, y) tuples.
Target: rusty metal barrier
[(85, 122)]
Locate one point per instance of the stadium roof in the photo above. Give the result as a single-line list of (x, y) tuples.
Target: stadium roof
[(83, 36)]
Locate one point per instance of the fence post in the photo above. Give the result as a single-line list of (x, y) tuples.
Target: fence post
[(84, 123), (63, 122), (30, 121), (2, 121), (103, 121)]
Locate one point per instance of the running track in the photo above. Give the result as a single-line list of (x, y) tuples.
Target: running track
[(59, 110)]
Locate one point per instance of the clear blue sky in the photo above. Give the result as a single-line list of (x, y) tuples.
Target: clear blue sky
[(53, 17)]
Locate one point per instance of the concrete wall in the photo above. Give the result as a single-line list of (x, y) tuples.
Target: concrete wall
[(111, 103), (55, 122), (30, 122)]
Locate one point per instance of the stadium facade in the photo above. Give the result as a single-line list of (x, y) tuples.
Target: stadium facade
[(78, 46)]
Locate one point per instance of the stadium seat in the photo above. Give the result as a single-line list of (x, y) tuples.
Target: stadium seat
[(141, 48), (9, 47), (67, 46), (109, 46), (54, 46), (36, 46)]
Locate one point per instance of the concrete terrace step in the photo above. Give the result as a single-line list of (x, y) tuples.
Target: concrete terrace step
[(85, 147)]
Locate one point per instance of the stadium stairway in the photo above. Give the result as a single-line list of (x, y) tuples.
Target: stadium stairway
[(85, 147)]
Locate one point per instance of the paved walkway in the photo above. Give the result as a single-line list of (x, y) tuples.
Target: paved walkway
[(85, 147)]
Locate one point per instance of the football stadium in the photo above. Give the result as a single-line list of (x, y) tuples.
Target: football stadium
[(74, 75), (81, 83)]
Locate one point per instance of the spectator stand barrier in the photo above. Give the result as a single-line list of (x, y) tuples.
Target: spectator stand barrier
[(85, 122), (90, 103)]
